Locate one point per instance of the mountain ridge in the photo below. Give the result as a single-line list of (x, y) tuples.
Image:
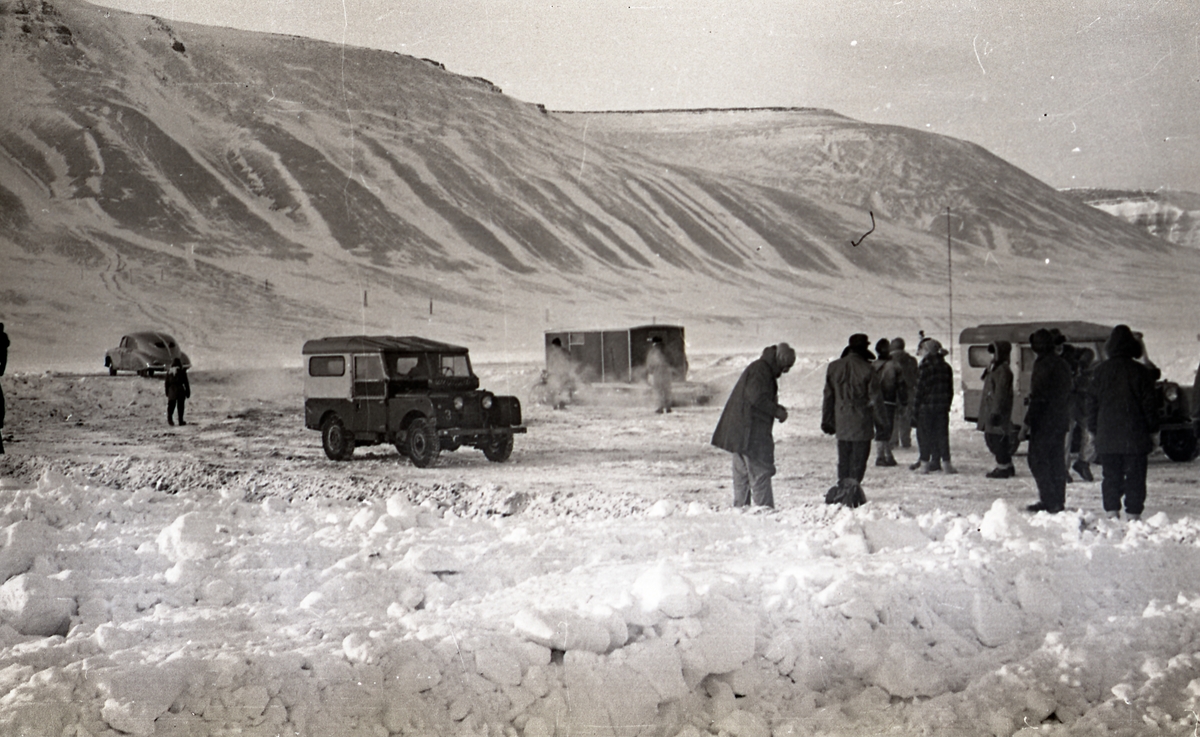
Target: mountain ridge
[(250, 190)]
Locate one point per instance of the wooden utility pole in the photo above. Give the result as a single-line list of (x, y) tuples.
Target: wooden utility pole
[(950, 283)]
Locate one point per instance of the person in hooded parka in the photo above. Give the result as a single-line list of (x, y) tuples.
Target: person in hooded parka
[(934, 395), (894, 395), (1048, 418), (745, 427), (1122, 417), (850, 407), (995, 410), (906, 413)]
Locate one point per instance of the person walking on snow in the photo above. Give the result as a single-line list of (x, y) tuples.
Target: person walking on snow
[(4, 343), (906, 411), (894, 396), (934, 394), (745, 427), (658, 374), (851, 406), (178, 391), (1048, 419), (1122, 416), (995, 410)]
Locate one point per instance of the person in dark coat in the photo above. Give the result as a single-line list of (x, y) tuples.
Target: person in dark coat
[(894, 395), (4, 343), (905, 414), (178, 391), (995, 410), (851, 407), (1079, 447), (1048, 418), (1123, 416), (746, 424), (934, 394)]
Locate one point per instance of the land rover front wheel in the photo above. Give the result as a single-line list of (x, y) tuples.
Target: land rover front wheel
[(422, 446), (1179, 445), (337, 441), (498, 448)]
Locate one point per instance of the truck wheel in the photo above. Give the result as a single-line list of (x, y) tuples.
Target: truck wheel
[(498, 448), (112, 370), (337, 441), (1179, 445), (422, 444)]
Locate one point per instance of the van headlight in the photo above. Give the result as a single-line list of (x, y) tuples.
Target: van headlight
[(487, 401), (458, 404)]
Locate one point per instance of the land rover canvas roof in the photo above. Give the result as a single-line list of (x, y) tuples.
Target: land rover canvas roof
[(370, 343), (1018, 332)]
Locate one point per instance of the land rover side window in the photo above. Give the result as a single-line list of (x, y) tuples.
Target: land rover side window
[(409, 367), (368, 376), (978, 356), (455, 366), (327, 366)]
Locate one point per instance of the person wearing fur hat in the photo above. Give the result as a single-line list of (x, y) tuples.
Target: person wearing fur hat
[(995, 410), (934, 394), (851, 407), (1123, 416), (894, 394), (1047, 419), (746, 424), (906, 412)]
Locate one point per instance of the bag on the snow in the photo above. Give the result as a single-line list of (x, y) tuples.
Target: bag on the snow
[(847, 492)]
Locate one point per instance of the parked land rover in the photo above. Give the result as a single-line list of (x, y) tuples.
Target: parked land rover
[(1176, 433), (417, 394)]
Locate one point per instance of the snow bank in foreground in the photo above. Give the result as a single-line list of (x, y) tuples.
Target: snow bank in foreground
[(151, 614)]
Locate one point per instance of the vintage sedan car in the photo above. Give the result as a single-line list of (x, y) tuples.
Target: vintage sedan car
[(145, 353)]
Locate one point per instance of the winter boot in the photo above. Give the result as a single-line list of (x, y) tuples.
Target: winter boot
[(1114, 514), (1133, 517), (883, 456), (916, 465), (1084, 470), (1002, 472), (926, 467), (948, 467)]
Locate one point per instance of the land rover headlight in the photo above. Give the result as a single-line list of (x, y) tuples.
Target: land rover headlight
[(458, 404), (487, 401), (1172, 393)]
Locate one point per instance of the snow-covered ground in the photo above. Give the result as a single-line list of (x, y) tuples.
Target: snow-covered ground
[(226, 579)]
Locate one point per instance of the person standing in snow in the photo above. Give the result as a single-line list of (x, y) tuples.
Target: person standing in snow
[(745, 427), (1079, 456), (1123, 416), (850, 409), (658, 374), (178, 391), (995, 410), (934, 395), (4, 343), (894, 396), (1047, 419), (906, 412)]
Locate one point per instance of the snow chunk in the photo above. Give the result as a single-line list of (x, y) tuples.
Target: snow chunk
[(740, 723), (193, 536), (905, 673), (34, 604), (660, 509), (1002, 522), (432, 559), (563, 630), (884, 534), (498, 664), (23, 541), (995, 622), (662, 589), (137, 695), (725, 642)]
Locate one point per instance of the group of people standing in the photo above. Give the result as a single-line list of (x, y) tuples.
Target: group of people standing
[(1076, 413)]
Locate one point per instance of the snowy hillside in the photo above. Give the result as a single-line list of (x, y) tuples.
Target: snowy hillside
[(246, 191), (1172, 216)]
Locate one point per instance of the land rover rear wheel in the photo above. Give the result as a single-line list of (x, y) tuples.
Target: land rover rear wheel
[(422, 446), (498, 448), (337, 441)]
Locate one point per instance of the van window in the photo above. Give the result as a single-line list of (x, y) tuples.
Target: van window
[(978, 356), (327, 366)]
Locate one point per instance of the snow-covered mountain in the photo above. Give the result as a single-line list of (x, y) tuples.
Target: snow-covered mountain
[(246, 191), (1172, 215)]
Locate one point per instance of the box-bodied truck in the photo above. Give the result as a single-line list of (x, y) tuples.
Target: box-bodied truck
[(1176, 433), (415, 393)]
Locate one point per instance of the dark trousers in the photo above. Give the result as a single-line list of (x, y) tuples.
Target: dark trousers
[(1124, 476), (852, 459), (1049, 467), (752, 482), (172, 404), (902, 427), (933, 436), (1000, 446), (886, 423)]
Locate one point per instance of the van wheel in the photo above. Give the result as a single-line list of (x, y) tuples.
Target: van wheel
[(422, 446), (498, 448), (1179, 445), (336, 440)]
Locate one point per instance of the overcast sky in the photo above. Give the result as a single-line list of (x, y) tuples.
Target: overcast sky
[(1088, 93)]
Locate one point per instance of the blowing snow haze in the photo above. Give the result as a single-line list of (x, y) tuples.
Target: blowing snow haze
[(246, 191)]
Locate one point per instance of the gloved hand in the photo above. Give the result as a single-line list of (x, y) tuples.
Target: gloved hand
[(781, 413), (828, 428)]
